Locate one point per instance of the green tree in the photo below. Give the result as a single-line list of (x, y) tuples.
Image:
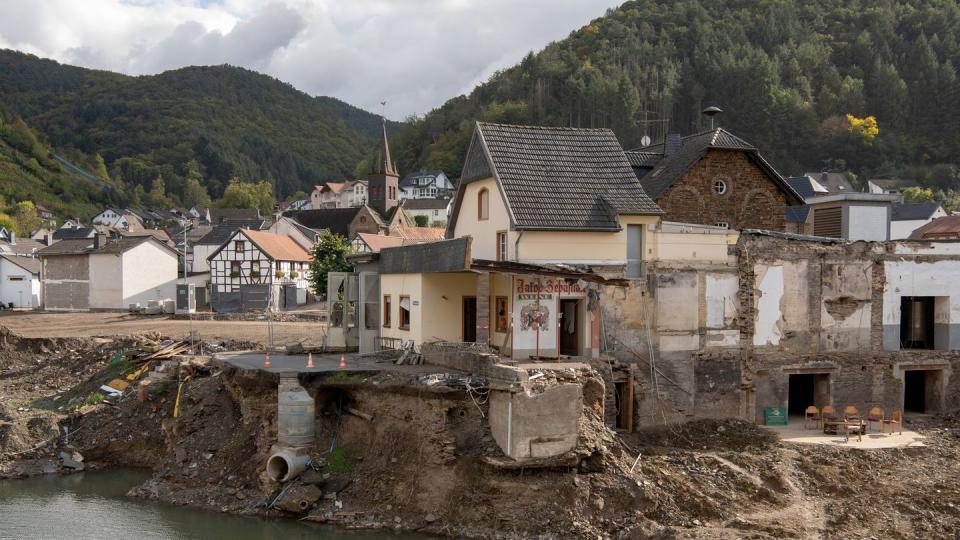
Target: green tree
[(241, 194), (100, 168), (362, 169), (917, 195), (328, 255), (421, 220), (25, 218), (7, 222), (158, 193), (194, 192)]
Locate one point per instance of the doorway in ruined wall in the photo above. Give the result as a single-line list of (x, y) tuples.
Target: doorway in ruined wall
[(806, 389), (570, 321), (923, 390)]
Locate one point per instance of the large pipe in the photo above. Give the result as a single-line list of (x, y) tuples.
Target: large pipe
[(285, 464)]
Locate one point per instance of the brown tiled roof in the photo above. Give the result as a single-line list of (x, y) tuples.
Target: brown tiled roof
[(376, 242), (945, 228), (277, 247), (557, 178), (423, 234)]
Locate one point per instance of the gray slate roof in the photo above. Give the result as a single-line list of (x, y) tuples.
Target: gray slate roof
[(85, 246), (560, 178), (798, 213), (694, 147), (71, 234), (222, 232), (913, 211), (425, 204), (30, 264), (893, 183), (335, 220), (834, 182)]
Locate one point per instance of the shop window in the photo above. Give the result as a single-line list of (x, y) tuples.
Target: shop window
[(387, 310), (404, 313)]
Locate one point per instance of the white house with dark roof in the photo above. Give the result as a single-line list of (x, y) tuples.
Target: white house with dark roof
[(908, 217), (426, 185), (20, 281), (103, 273), (434, 210)]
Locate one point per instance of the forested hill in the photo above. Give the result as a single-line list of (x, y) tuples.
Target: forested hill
[(786, 73), (232, 122)]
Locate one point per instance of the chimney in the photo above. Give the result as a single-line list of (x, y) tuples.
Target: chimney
[(672, 144), (99, 240)]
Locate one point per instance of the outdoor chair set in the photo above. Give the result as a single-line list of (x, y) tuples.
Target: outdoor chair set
[(851, 422)]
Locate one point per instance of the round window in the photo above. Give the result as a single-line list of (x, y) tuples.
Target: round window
[(719, 187)]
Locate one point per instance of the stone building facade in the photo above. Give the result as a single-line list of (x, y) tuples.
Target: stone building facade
[(749, 200)]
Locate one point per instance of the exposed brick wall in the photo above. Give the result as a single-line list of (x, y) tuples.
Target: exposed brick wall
[(752, 200)]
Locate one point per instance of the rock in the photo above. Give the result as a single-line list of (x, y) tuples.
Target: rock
[(429, 518), (299, 499), (70, 462)]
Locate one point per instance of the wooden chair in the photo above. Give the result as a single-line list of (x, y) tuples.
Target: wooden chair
[(851, 412), (875, 415), (895, 420), (812, 413), (829, 412)]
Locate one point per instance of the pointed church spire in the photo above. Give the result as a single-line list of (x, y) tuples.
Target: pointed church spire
[(384, 165)]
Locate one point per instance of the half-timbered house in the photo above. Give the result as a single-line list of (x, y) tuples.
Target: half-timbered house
[(257, 270)]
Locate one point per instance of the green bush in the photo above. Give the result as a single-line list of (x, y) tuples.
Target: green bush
[(340, 461)]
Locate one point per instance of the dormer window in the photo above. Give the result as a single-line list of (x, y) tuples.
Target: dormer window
[(483, 204)]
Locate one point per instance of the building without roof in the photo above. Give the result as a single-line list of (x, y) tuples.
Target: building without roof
[(714, 178), (101, 273)]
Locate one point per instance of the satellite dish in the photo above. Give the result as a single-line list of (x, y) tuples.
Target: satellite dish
[(645, 140)]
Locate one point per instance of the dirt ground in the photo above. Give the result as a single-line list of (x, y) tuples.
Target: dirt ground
[(425, 460), (77, 325)]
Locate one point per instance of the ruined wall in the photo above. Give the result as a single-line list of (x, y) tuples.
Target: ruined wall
[(66, 282), (752, 199), (723, 340)]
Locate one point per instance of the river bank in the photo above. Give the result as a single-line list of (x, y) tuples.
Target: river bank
[(423, 459)]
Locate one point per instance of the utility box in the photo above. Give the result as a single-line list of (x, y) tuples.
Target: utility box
[(186, 298)]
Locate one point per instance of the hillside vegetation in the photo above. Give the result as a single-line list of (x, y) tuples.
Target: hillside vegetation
[(220, 121), (786, 73)]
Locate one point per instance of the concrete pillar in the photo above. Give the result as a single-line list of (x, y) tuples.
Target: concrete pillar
[(483, 307)]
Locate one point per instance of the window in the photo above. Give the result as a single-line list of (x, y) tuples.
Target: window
[(235, 269), (436, 213), (404, 313), (238, 245), (501, 245), (719, 187), (16, 278), (723, 224), (483, 204), (502, 317), (387, 310)]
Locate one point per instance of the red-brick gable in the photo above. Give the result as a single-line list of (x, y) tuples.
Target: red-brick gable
[(753, 200)]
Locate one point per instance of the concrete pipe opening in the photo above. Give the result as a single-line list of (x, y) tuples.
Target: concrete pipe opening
[(285, 465)]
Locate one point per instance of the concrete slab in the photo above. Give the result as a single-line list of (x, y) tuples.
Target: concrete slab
[(795, 433), (285, 363), (556, 366)]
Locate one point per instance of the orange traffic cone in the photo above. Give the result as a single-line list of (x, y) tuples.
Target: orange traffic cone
[(309, 360), (343, 362), (266, 360)]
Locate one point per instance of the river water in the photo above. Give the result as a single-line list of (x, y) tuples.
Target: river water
[(92, 505)]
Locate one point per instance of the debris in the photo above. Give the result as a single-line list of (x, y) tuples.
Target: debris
[(299, 499), (359, 414)]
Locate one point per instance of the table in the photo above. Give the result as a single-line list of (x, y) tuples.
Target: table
[(846, 428)]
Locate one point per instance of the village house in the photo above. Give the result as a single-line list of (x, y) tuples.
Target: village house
[(346, 194), (258, 270), (513, 247), (107, 274), (210, 242), (73, 232), (434, 211), (890, 186), (20, 281), (942, 228), (714, 178), (304, 236), (426, 185), (908, 217)]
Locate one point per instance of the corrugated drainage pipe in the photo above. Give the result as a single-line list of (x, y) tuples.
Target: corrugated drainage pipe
[(286, 464)]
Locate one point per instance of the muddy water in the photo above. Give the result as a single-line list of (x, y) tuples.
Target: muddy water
[(92, 505)]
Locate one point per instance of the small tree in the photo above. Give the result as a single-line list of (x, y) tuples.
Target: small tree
[(329, 255), (25, 216), (421, 220)]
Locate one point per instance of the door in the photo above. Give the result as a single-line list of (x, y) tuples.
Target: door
[(469, 318), (20, 293), (570, 327)]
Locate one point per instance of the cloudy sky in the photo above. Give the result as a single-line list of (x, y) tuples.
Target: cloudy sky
[(415, 54)]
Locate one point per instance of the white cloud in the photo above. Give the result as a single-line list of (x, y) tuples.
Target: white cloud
[(416, 54)]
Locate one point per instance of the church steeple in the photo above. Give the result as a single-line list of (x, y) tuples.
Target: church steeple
[(384, 165)]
